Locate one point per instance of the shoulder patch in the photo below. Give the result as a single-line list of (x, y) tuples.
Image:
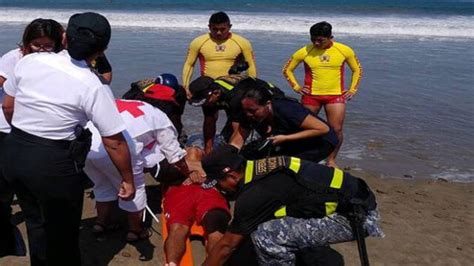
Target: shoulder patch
[(266, 166)]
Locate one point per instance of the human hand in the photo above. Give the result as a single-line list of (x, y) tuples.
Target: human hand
[(278, 139), (188, 94), (348, 95), (127, 191), (305, 90), (194, 177), (207, 149)]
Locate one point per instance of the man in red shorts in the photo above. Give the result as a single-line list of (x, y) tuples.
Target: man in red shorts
[(186, 202), (324, 61)]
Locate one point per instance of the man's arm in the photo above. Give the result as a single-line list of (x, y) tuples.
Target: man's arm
[(169, 146), (290, 66), (107, 77), (356, 68), (188, 67), (223, 249), (117, 148), (104, 69), (249, 56), (209, 128), (239, 135)]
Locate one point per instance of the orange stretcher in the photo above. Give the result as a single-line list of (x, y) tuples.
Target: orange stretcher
[(196, 230)]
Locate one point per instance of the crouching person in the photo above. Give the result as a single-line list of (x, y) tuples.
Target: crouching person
[(312, 202), (149, 134)]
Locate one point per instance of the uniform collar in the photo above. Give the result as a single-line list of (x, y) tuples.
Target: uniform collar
[(79, 63)]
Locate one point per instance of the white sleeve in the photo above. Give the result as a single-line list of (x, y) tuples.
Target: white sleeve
[(100, 108), (167, 139), (7, 64)]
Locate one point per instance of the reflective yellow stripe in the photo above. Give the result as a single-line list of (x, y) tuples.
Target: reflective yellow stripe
[(224, 84), (248, 172), (295, 164), (337, 178), (280, 212), (270, 85), (147, 87), (336, 182), (331, 207)]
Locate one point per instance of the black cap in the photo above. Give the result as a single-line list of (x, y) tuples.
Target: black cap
[(200, 89), (217, 164), (87, 33)]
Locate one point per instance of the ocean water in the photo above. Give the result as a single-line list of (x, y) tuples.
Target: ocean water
[(412, 117)]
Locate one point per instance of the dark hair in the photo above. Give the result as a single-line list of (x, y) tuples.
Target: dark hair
[(43, 28), (255, 90), (219, 18), (322, 29)]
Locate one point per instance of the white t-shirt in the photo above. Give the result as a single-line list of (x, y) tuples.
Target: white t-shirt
[(153, 135), (7, 64), (54, 93), (152, 131)]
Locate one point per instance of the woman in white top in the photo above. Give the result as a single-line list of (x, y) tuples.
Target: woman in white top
[(47, 97), (41, 35)]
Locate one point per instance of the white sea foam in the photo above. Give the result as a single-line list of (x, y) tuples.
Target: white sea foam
[(395, 25), (456, 175)]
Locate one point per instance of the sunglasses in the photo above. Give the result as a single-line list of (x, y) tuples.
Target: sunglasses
[(42, 47)]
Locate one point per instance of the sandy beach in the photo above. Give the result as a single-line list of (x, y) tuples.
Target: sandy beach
[(425, 222)]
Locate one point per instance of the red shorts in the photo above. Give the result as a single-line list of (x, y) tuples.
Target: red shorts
[(188, 204), (314, 100)]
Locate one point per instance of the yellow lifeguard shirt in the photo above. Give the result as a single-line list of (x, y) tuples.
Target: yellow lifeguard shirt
[(324, 69), (216, 57)]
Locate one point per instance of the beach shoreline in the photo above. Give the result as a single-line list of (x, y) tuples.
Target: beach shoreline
[(426, 222)]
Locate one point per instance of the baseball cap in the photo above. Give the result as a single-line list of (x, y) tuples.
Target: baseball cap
[(200, 89), (87, 33), (160, 92), (219, 162)]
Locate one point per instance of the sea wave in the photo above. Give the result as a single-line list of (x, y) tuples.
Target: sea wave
[(375, 25), (455, 175)]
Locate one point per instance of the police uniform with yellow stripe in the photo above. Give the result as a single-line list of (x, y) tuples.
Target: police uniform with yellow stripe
[(287, 186), (309, 200)]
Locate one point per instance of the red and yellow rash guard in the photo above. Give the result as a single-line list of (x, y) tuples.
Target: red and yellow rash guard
[(324, 69), (216, 57)]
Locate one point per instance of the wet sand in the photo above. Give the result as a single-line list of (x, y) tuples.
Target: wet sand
[(425, 222)]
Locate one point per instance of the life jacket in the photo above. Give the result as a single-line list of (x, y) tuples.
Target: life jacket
[(329, 190)]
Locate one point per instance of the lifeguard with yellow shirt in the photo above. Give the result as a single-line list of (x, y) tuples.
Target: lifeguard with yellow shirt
[(324, 61)]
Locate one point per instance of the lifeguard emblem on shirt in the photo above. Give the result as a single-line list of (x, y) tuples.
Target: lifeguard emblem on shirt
[(324, 58), (265, 166), (220, 48)]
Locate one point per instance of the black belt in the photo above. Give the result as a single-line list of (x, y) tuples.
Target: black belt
[(64, 144)]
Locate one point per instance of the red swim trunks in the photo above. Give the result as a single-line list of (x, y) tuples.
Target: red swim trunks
[(322, 99), (187, 204)]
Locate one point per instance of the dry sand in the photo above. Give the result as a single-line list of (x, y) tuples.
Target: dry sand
[(425, 222)]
